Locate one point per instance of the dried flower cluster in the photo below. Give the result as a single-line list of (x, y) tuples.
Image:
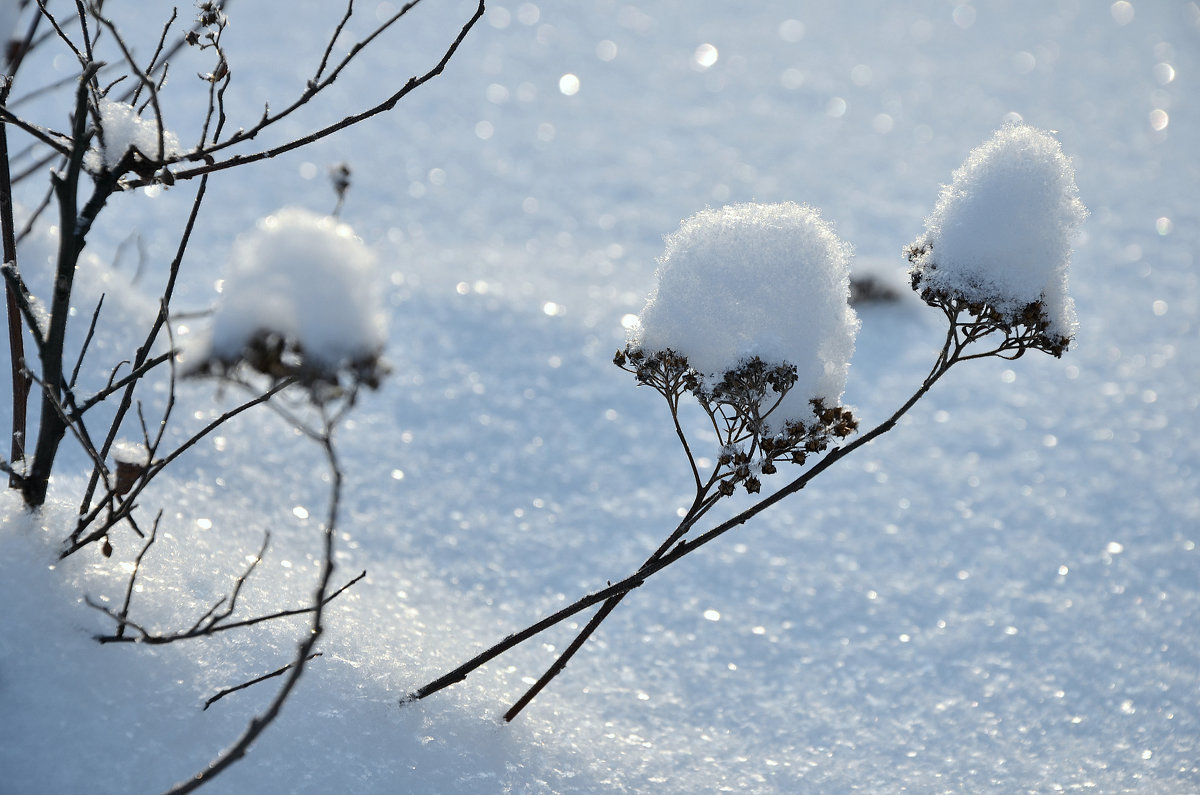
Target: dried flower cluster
[(1029, 327), (281, 357), (740, 406)]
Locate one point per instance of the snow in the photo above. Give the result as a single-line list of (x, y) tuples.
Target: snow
[(122, 128), (1000, 595), (306, 278), (756, 280), (127, 452), (1001, 232)]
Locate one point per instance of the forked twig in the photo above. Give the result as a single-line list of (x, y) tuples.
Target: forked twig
[(157, 639), (349, 121)]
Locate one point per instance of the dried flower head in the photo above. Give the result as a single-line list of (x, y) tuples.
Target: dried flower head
[(740, 407)]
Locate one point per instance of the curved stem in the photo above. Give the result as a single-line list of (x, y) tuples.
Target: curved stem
[(673, 403), (674, 549)]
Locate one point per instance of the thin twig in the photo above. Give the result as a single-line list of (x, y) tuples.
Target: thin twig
[(211, 618), (227, 691), (115, 386), (55, 140), (83, 59), (150, 67), (87, 341), (349, 121), (153, 639), (81, 11), (141, 363), (77, 428), (137, 566), (144, 79), (333, 39), (75, 543)]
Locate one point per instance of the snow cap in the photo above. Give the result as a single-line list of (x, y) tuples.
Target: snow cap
[(756, 280), (1001, 232), (123, 129), (307, 280)]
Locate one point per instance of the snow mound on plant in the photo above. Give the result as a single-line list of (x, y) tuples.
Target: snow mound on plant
[(123, 129), (756, 280), (306, 279), (1001, 232)]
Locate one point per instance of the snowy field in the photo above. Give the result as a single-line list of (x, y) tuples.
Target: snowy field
[(1002, 595)]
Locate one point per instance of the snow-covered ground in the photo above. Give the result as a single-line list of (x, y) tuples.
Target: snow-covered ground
[(1001, 595)]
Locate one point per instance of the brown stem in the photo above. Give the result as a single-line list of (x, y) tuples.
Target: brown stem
[(75, 543), (16, 339), (72, 230)]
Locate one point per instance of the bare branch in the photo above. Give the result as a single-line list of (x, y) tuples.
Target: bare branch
[(17, 305), (349, 121), (227, 691), (63, 415), (144, 81), (115, 386), (87, 341), (210, 619), (137, 566), (337, 31), (83, 29), (19, 293), (142, 363), (146, 636), (672, 550), (153, 65), (57, 141), (84, 60)]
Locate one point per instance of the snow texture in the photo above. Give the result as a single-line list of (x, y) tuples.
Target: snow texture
[(765, 280), (998, 596), (306, 278), (123, 129), (1001, 232)]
